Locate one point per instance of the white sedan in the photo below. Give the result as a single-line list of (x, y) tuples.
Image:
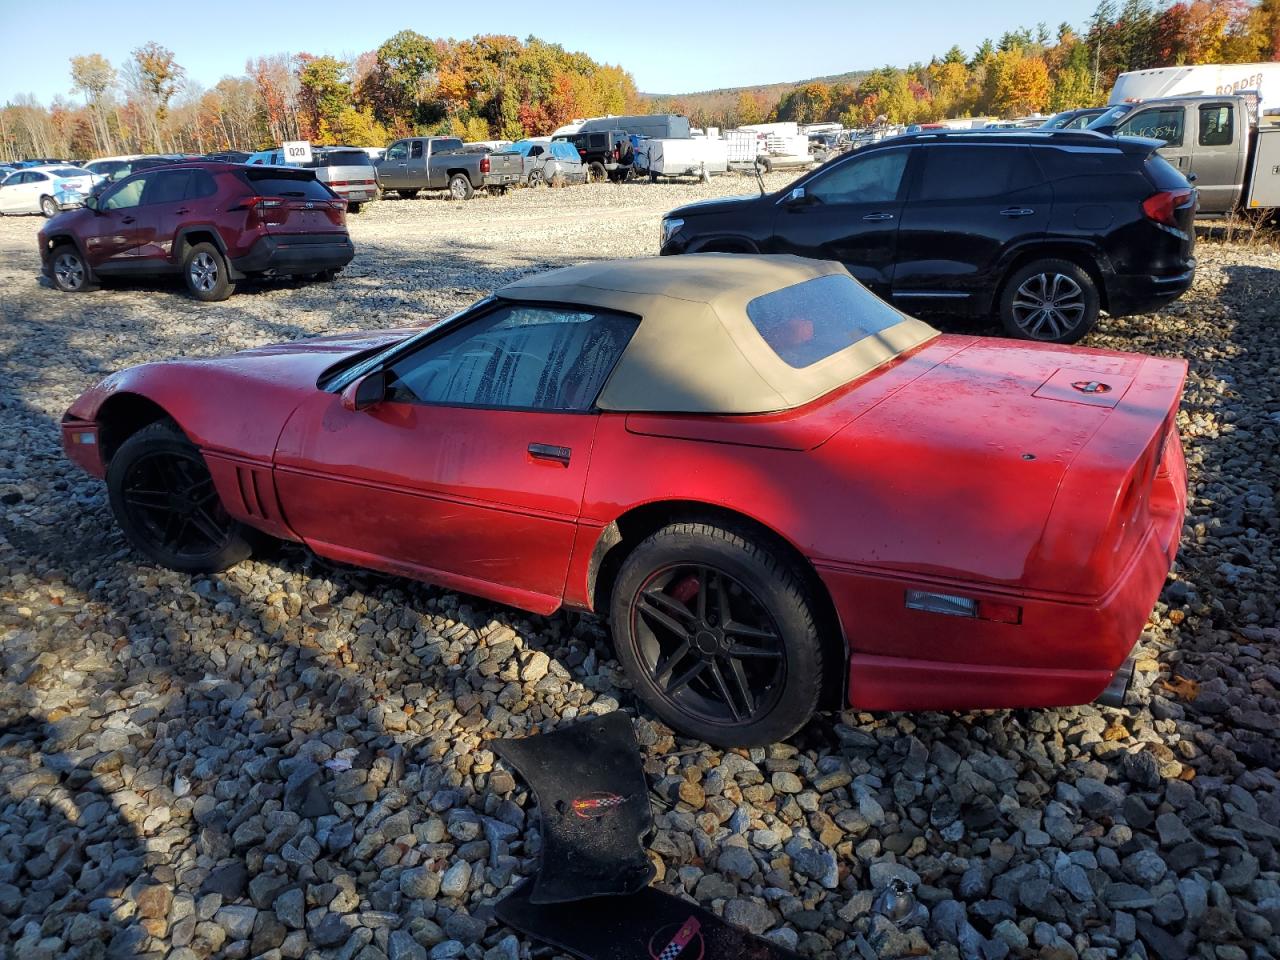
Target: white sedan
[(36, 189)]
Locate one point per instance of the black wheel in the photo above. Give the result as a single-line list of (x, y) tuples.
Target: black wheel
[(1053, 301), (596, 171), (460, 187), (353, 208), (70, 272), (718, 635), (48, 206), (407, 194), (164, 500), (653, 177), (205, 271)]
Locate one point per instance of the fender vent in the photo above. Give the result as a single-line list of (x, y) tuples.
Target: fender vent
[(257, 493)]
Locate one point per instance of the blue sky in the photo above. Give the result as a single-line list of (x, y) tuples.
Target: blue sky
[(668, 47)]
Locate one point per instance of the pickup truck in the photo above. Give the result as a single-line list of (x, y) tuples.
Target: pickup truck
[(442, 163), (1214, 141)]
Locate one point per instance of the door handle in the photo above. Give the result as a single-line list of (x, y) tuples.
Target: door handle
[(1016, 212), (550, 452), (126, 219), (183, 210), (878, 216)]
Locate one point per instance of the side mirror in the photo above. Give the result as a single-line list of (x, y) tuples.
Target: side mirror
[(92, 203), (1192, 177), (365, 392)]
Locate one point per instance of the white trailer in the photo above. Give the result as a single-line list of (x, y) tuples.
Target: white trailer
[(1205, 79), (696, 157)]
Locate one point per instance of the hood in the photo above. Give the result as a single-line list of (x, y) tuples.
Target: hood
[(701, 208)]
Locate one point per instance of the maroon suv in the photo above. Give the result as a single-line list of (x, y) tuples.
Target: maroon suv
[(216, 223)]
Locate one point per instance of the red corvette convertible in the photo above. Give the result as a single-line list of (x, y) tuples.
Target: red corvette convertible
[(781, 491)]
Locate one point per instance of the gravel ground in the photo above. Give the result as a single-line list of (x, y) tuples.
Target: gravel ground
[(290, 759)]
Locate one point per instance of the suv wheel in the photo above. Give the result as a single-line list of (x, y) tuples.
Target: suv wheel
[(535, 178), (407, 194), (1053, 301), (205, 271), (70, 272), (596, 171), (460, 187), (48, 206)]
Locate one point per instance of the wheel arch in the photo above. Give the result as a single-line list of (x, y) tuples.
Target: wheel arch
[(1089, 259), (726, 243), (452, 172), (621, 536), (188, 237), (122, 415)]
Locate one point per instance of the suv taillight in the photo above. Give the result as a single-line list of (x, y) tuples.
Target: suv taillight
[(617, 153), (259, 208), (484, 164), (1160, 206)]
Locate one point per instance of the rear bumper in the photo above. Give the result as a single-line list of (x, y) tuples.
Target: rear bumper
[(502, 179), (1142, 293), (295, 253), (1064, 650)]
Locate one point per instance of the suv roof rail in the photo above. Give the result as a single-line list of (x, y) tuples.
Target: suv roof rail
[(1032, 134)]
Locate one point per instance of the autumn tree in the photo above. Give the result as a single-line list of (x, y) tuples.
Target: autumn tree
[(157, 76), (93, 76)]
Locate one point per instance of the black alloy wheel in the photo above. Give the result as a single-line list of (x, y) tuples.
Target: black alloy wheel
[(710, 646)]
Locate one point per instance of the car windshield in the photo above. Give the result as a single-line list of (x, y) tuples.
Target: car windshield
[(808, 322), (1112, 116)]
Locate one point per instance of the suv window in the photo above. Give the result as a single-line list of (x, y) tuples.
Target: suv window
[(398, 151), (810, 321), (522, 357), (1160, 123), (279, 183), (871, 178), (166, 186), (963, 172), (128, 194), (1061, 163), (1216, 125), (200, 185)]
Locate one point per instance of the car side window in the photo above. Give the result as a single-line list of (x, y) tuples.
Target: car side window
[(167, 186), (965, 172), (1215, 125), (415, 150), (128, 194), (200, 184), (397, 151), (517, 357), (872, 178), (1160, 123), (535, 151)]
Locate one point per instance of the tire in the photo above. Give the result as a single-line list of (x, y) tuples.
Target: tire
[(204, 270), (460, 187), (49, 207), (407, 194), (1051, 301), (766, 165), (536, 179), (596, 171), (772, 691), (163, 498), (69, 271), (653, 177), (353, 207)]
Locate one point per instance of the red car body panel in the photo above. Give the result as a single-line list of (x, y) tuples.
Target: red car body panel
[(1047, 484)]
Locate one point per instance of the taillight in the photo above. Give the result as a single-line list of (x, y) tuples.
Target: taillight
[(339, 183), (617, 153), (484, 164), (1161, 206), (259, 207)]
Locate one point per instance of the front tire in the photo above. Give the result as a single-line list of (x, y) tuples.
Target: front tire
[(1051, 301), (165, 502), (70, 272), (204, 269), (49, 207), (718, 632), (460, 187)]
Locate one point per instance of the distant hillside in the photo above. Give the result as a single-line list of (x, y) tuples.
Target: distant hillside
[(717, 106)]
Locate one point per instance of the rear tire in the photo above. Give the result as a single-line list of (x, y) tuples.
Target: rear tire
[(407, 194), (1050, 301), (353, 208), (729, 651), (49, 207), (596, 171), (204, 269), (460, 187), (70, 272), (165, 502), (536, 179)]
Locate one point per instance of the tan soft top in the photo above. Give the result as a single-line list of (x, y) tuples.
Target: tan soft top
[(696, 351)]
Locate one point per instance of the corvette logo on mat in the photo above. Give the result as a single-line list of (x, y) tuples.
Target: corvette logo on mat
[(591, 806), (663, 946)]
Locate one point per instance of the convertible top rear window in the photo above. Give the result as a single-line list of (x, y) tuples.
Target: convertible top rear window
[(810, 321)]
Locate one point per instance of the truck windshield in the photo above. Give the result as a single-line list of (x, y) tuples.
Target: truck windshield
[(1112, 116)]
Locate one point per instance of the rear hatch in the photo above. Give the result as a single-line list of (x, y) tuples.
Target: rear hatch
[(1172, 207), (293, 202), (348, 173)]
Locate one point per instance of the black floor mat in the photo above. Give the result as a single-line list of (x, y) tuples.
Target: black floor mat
[(649, 924), (594, 805)]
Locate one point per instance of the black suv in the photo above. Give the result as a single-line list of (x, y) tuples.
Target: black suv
[(605, 153), (1042, 227)]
